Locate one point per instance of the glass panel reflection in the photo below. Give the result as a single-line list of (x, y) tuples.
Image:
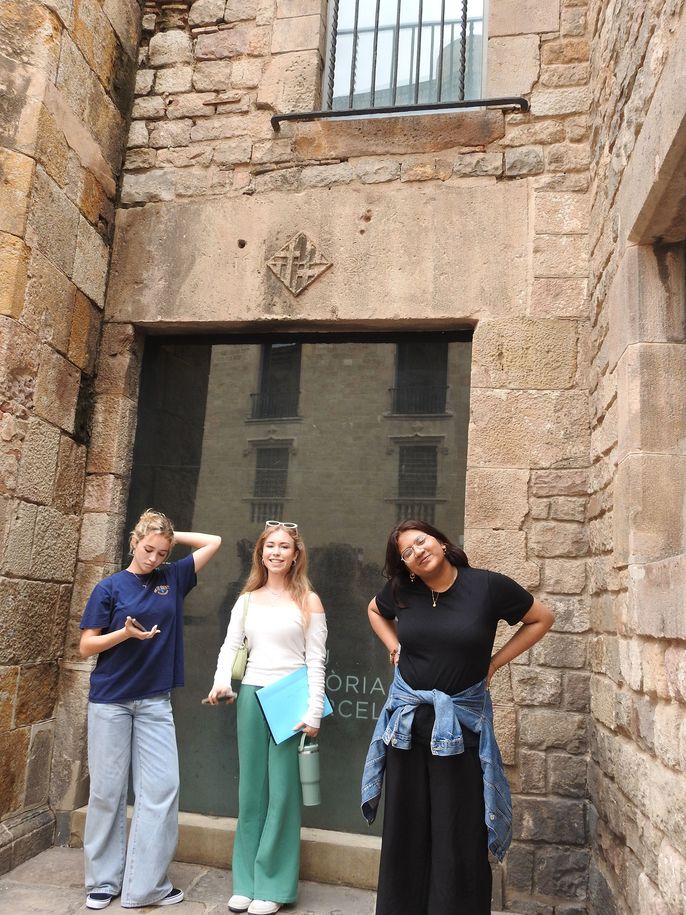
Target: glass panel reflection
[(345, 465)]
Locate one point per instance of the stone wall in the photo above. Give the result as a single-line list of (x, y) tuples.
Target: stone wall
[(475, 218), (637, 532), (66, 78)]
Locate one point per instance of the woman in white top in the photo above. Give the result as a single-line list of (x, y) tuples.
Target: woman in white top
[(285, 627)]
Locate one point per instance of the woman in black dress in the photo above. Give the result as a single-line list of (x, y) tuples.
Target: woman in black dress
[(437, 617)]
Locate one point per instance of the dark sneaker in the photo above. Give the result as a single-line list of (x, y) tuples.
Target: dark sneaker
[(98, 900), (173, 896)]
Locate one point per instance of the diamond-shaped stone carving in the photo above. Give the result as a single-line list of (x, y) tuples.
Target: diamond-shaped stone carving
[(298, 263)]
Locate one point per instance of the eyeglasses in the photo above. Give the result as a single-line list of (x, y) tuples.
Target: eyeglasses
[(288, 525), (411, 551)]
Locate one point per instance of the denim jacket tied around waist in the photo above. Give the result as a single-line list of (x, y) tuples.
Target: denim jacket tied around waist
[(470, 708)]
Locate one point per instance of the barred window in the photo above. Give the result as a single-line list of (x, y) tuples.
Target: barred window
[(421, 374), (271, 472), (403, 52), (279, 382)]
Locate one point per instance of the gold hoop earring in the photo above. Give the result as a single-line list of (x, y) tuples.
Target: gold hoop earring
[(412, 576), (445, 549)]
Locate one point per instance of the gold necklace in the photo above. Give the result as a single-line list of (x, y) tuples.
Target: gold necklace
[(276, 593), (436, 594)]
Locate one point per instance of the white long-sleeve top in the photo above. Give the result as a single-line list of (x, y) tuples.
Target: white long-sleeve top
[(278, 644)]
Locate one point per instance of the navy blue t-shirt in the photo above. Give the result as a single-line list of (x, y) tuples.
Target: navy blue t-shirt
[(137, 668)]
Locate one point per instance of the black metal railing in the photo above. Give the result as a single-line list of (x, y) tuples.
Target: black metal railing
[(271, 405), (429, 60), (417, 398), (270, 482), (415, 508), (265, 510)]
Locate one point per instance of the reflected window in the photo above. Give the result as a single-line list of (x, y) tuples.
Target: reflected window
[(271, 479), (417, 482), (279, 382), (421, 374), (404, 52)]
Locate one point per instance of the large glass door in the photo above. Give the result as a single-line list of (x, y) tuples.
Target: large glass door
[(343, 435)]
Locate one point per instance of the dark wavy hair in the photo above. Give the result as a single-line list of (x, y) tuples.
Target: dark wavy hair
[(396, 570)]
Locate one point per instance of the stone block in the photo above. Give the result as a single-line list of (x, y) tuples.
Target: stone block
[(54, 545), (170, 133), (390, 136), (16, 560), (206, 12), (69, 773), (138, 134), (376, 171), (529, 429), (53, 222), (557, 75), (105, 493), (534, 133), (291, 83), (502, 551), (145, 79), (90, 263), (114, 423), (48, 302), (523, 17), (36, 693), (566, 508), (28, 607), (38, 763), (521, 353), (231, 152), (560, 649), (299, 33), (531, 772), (14, 747), (177, 79), (38, 462), (672, 876), (230, 126), (564, 576), (577, 690), (505, 725), (650, 491), (562, 872), (209, 75), (522, 161), (561, 822), (85, 328), (533, 686), (568, 157), (149, 107), (57, 389), (519, 866), (554, 102), (565, 51), (15, 190), (657, 598), (326, 175), (651, 382), (100, 537), (172, 47), (561, 213), (555, 538), (155, 185), (545, 729), (496, 498), (513, 65), (125, 18), (9, 677), (246, 73), (184, 156), (14, 258), (229, 43), (119, 361), (191, 105), (572, 614), (478, 164), (95, 37), (71, 468), (560, 256)]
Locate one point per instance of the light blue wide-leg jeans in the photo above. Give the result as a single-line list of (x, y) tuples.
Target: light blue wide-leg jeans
[(139, 735)]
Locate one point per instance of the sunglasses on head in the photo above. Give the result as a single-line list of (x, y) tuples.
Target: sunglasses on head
[(288, 525)]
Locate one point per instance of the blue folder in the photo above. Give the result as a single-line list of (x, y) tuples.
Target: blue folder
[(284, 703)]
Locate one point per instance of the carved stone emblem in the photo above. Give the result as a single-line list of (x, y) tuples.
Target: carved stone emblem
[(298, 263)]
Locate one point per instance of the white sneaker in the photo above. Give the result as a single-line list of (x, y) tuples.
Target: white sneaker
[(263, 907), (239, 903)]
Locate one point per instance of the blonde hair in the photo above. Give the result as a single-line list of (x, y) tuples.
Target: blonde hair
[(298, 584), (151, 522)]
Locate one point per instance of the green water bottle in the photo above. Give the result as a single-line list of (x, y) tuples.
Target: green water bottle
[(308, 763)]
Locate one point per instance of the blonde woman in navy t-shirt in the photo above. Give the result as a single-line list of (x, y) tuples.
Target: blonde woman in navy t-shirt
[(133, 622)]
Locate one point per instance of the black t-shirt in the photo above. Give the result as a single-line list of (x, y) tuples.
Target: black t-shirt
[(448, 647)]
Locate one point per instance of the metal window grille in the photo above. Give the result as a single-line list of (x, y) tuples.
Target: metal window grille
[(400, 52), (417, 472), (279, 382), (271, 472), (421, 374)]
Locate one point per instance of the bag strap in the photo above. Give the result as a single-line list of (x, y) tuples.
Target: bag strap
[(246, 601)]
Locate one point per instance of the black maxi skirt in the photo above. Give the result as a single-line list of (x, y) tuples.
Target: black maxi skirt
[(434, 852)]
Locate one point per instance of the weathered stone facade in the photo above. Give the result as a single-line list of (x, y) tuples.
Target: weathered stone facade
[(67, 71), (557, 234)]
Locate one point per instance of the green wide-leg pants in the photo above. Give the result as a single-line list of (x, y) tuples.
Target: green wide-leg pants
[(266, 852)]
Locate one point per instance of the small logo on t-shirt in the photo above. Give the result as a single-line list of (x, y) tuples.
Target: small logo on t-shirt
[(161, 589)]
